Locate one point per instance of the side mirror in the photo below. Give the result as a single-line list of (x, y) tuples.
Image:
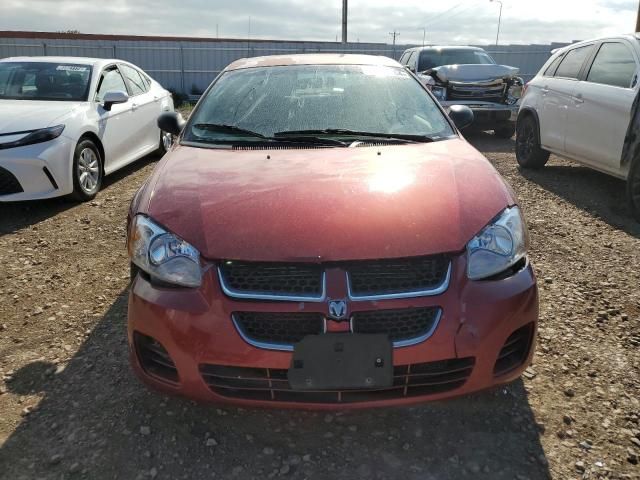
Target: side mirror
[(112, 97), (171, 122), (461, 115)]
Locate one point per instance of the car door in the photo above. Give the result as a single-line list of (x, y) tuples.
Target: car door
[(601, 107), (115, 126), (556, 93), (144, 109)]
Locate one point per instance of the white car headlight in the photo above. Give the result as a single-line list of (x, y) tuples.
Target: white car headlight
[(163, 255), (499, 245)]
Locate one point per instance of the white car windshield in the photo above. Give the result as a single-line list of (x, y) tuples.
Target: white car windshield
[(44, 81), (327, 100)]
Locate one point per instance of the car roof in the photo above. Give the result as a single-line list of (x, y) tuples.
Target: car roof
[(75, 60), (447, 47), (623, 36), (312, 59)]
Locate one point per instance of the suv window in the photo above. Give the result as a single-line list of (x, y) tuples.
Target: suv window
[(137, 84), (572, 62), (552, 67), (614, 65), (411, 61), (404, 57), (110, 80)]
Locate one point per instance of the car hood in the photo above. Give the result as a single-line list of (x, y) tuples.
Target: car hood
[(474, 73), (326, 204), (21, 115)]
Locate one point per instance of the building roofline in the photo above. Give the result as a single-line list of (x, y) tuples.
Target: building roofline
[(143, 38)]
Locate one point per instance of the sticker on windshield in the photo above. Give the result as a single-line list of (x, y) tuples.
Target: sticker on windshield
[(72, 68)]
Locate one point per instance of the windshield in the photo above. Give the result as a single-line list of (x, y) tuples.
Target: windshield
[(435, 58), (315, 98), (44, 81)]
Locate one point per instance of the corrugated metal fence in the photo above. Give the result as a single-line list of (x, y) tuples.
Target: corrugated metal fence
[(189, 65)]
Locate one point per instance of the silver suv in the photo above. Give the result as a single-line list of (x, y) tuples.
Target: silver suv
[(469, 76)]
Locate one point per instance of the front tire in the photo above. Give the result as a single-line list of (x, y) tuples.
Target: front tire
[(633, 189), (505, 131), (166, 140), (529, 153), (87, 171)]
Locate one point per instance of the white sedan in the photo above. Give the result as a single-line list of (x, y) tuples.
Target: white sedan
[(66, 122)]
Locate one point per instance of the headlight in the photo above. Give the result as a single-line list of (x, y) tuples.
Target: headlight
[(35, 136), (500, 245), (439, 92), (515, 91), (163, 255)]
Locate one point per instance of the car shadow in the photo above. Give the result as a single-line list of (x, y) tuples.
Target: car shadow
[(96, 420), (18, 215), (488, 143), (598, 194)]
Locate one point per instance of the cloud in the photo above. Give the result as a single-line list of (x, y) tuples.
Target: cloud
[(467, 21)]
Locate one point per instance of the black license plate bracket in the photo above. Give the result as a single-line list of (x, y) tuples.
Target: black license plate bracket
[(342, 361)]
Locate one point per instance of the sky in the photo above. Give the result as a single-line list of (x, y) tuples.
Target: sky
[(439, 22)]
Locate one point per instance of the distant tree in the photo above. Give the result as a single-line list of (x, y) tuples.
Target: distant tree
[(68, 31)]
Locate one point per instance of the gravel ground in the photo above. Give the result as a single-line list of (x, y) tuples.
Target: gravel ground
[(71, 408)]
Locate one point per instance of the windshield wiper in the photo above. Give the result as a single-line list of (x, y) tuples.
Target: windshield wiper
[(354, 133), (223, 128), (292, 138)]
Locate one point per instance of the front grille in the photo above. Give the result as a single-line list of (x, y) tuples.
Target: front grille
[(398, 276), (367, 279), (515, 351), (491, 92), (278, 328), (268, 384), (9, 183), (246, 279), (154, 358), (400, 325)]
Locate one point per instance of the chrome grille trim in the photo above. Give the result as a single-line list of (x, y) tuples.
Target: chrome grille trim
[(286, 347), (230, 292), (409, 294)]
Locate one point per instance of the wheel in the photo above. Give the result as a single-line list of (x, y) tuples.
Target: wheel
[(505, 131), (87, 171), (529, 153), (166, 140), (633, 189)]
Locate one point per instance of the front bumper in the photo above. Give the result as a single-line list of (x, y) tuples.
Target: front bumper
[(488, 115), (195, 328), (42, 170)]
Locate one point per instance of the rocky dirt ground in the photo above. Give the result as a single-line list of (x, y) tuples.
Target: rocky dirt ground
[(71, 408)]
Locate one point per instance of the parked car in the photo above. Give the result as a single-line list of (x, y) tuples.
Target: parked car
[(320, 234), (66, 122), (469, 76), (579, 106)]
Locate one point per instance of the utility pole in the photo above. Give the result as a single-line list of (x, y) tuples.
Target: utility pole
[(638, 20), (424, 35), (345, 11), (394, 34), (499, 19)]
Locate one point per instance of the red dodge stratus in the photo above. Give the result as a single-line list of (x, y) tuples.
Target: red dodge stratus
[(321, 236)]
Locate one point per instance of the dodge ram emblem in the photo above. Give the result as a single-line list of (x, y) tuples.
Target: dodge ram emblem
[(338, 309)]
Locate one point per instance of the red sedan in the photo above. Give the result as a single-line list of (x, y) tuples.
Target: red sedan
[(321, 236)]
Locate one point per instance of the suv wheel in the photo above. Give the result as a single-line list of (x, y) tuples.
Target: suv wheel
[(505, 131), (633, 189), (529, 153)]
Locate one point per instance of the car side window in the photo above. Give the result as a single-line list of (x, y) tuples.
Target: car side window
[(614, 65), (110, 80), (403, 57), (571, 64), (134, 78), (552, 67), (411, 61)]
